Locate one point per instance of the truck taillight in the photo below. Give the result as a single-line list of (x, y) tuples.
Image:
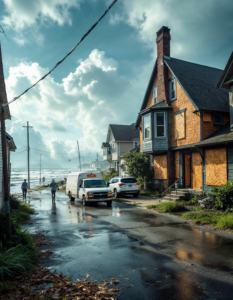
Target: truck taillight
[(137, 183), (120, 184)]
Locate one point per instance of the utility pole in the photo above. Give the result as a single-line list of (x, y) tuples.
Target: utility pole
[(79, 157), (5, 175), (97, 157), (28, 150)]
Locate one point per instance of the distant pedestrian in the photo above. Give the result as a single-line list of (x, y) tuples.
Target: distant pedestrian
[(24, 188), (54, 187)]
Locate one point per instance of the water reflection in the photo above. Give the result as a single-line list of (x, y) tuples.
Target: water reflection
[(54, 208)]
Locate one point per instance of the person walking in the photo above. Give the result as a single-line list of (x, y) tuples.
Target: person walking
[(54, 187), (24, 188)]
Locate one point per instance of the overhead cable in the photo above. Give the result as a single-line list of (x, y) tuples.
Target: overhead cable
[(42, 78)]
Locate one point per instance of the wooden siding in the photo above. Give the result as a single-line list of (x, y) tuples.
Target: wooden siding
[(216, 166), (125, 147), (160, 167), (140, 136), (192, 130), (208, 127), (196, 171), (177, 164), (150, 101), (180, 126)]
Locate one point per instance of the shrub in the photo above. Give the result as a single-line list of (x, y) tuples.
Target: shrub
[(225, 222), (222, 197), (16, 261), (14, 202), (167, 207)]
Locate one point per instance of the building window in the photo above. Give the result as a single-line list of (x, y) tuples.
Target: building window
[(147, 127), (218, 119), (155, 92), (172, 89), (109, 150), (159, 124)]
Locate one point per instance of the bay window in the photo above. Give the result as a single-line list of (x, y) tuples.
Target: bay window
[(147, 127), (160, 125)]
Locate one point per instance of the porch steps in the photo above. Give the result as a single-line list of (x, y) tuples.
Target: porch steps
[(180, 194)]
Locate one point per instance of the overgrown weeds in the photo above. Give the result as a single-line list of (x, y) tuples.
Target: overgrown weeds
[(167, 207)]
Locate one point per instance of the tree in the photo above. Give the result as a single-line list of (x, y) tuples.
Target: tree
[(137, 165)]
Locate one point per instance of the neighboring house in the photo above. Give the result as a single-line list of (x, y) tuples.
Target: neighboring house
[(99, 165), (120, 139), (10, 145), (122, 166), (3, 100), (182, 108)]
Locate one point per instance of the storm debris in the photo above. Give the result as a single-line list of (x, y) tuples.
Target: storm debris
[(43, 284)]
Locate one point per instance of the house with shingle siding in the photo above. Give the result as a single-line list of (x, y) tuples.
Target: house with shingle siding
[(3, 100), (180, 111), (120, 139)]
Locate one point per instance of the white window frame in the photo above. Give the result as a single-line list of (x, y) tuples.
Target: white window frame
[(155, 123), (155, 91), (144, 136), (170, 89)]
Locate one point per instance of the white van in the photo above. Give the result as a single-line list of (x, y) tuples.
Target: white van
[(90, 187)]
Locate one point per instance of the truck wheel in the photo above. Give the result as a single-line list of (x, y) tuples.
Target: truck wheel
[(109, 203), (135, 195), (84, 201), (115, 193)]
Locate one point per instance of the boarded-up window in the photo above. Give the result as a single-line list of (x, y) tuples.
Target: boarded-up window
[(196, 171), (216, 166), (180, 126), (177, 164), (207, 117), (160, 167)]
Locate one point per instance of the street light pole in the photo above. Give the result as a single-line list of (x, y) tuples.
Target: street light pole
[(28, 150)]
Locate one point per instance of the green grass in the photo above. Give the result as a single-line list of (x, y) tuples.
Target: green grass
[(150, 194), (167, 207), (63, 188), (218, 219), (23, 213), (40, 187), (118, 200)]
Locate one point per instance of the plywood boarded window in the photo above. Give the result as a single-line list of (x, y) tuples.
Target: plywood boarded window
[(207, 117), (196, 171), (160, 167), (216, 166), (180, 126), (177, 164)]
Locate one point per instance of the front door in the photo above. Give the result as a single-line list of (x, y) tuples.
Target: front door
[(196, 171), (187, 170)]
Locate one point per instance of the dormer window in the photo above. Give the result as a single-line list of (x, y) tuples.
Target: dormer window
[(172, 89), (218, 119), (155, 92)]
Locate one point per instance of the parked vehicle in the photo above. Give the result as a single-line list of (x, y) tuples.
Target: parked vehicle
[(124, 186), (90, 187)]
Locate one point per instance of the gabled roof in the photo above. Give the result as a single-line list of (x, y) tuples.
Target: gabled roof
[(105, 145), (3, 96), (135, 149), (222, 135), (227, 74), (199, 83), (11, 143), (124, 133), (157, 106)]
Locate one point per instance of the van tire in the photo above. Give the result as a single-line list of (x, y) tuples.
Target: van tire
[(115, 193), (84, 201), (71, 198)]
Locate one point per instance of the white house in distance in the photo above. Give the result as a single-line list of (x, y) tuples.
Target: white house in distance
[(120, 139)]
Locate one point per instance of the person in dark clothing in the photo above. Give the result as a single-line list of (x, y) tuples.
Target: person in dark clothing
[(24, 188), (54, 187)]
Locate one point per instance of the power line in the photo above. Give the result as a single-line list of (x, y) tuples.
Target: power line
[(3, 32), (57, 64)]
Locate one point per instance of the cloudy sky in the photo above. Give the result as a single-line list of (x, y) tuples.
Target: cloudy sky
[(104, 80)]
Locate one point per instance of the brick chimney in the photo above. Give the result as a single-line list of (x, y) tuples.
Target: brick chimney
[(163, 48)]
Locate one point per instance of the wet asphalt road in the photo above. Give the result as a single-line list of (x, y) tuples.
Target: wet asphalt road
[(154, 256)]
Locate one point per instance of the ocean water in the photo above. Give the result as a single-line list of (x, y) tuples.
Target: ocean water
[(18, 176)]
